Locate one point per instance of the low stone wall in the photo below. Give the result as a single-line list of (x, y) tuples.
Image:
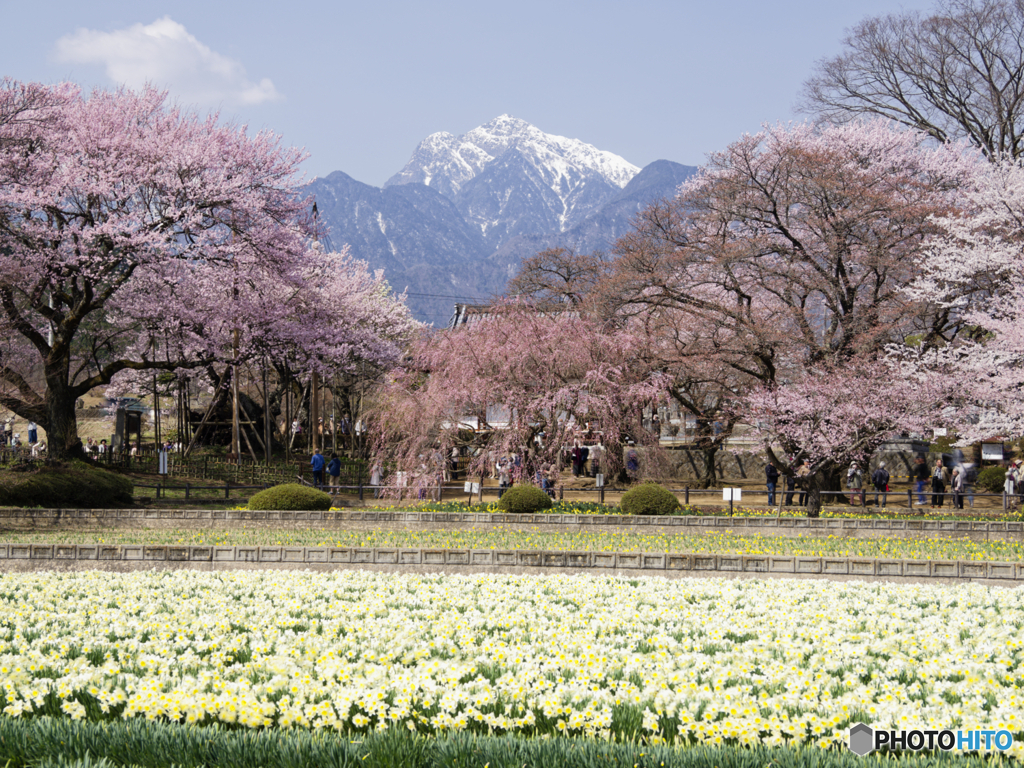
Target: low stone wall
[(365, 519), (127, 557)]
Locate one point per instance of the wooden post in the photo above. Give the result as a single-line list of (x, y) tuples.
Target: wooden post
[(687, 495), (314, 411), (188, 490), (910, 500), (227, 489), (266, 414)]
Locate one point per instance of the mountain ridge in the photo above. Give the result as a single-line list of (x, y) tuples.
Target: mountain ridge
[(455, 222)]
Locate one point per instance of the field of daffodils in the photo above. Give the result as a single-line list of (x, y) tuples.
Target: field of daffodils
[(676, 661)]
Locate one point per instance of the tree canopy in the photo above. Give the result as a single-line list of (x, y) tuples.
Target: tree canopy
[(136, 236), (957, 73)]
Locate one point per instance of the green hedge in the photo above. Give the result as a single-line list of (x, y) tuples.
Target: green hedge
[(524, 499), (44, 742), (649, 499), (291, 496), (991, 479), (79, 484)]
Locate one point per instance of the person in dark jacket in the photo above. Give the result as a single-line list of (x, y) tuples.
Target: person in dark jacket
[(957, 484), (317, 463), (940, 479), (334, 470), (921, 477), (771, 474), (880, 479), (790, 487)]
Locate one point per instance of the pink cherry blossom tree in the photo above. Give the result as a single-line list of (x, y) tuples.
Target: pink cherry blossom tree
[(834, 415), (544, 375), (786, 255), (975, 271), (339, 319), (133, 236)]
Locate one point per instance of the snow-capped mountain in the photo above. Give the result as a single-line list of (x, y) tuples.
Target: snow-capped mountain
[(457, 220), (509, 178)]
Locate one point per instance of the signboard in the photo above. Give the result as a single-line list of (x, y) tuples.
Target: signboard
[(163, 462), (992, 452), (600, 481), (939, 432), (732, 494), (467, 487)]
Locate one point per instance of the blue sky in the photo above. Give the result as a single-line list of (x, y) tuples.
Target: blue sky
[(360, 84)]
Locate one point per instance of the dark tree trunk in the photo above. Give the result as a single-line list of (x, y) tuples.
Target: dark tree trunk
[(61, 423), (709, 475), (820, 489)]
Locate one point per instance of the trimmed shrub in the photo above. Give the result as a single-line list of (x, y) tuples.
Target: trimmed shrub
[(524, 499), (649, 499), (991, 479), (291, 496), (73, 484)]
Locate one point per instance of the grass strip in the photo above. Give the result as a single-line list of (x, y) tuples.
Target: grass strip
[(705, 542), (45, 742)]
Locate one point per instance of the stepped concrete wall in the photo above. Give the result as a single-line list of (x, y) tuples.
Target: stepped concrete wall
[(368, 519), (131, 557)]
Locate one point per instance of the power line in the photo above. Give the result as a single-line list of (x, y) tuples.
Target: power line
[(439, 296)]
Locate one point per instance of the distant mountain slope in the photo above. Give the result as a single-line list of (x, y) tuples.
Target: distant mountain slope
[(599, 231), (411, 232)]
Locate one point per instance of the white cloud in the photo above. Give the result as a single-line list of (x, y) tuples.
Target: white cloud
[(166, 55)]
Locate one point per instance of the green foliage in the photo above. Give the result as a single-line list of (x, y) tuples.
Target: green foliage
[(79, 484), (524, 499), (291, 496), (991, 479), (649, 499), (44, 742)]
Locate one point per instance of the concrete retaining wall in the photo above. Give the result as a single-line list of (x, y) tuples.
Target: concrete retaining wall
[(366, 519), (31, 557)]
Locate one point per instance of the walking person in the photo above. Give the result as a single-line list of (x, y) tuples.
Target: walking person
[(334, 471), (771, 476), (596, 455), (855, 482), (376, 471), (577, 459), (970, 473), (317, 463), (802, 471), (33, 433), (453, 461), (940, 479), (920, 475), (958, 488), (504, 475), (1013, 473), (880, 479), (790, 487), (632, 463)]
